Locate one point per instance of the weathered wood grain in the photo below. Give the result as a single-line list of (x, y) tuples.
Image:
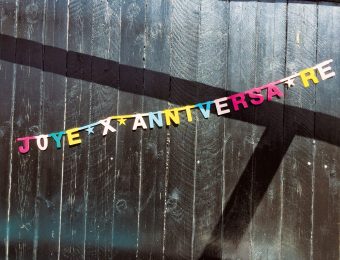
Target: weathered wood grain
[(256, 184), (154, 160), (25, 170), (75, 171), (327, 157), (241, 76), (266, 181), (128, 174), (53, 103), (8, 25), (181, 202), (212, 70), (101, 155), (299, 164)]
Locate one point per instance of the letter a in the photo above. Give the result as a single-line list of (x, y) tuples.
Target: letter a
[(273, 91), (139, 121)]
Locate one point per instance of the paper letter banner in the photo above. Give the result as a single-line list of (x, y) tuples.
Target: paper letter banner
[(173, 116)]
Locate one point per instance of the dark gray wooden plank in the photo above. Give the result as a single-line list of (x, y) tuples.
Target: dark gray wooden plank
[(153, 195), (52, 119), (25, 170), (299, 169), (266, 182), (212, 70), (239, 147), (180, 218), (75, 170), (128, 175), (101, 154), (327, 157), (7, 83)]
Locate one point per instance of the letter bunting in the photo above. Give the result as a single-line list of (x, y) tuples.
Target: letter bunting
[(173, 116)]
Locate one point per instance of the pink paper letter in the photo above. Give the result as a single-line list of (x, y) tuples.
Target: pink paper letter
[(239, 101), (26, 143), (273, 91), (255, 96), (219, 106)]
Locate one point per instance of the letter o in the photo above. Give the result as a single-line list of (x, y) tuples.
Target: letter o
[(45, 142)]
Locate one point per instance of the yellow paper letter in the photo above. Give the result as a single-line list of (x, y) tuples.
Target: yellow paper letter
[(188, 111), (169, 116), (72, 136), (308, 74)]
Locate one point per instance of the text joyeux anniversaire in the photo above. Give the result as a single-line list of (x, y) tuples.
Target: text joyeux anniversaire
[(223, 105)]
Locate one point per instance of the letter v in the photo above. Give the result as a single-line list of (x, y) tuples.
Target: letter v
[(205, 111)]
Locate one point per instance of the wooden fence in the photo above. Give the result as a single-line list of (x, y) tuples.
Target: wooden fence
[(262, 183)]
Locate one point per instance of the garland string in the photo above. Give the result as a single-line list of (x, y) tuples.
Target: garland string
[(172, 116)]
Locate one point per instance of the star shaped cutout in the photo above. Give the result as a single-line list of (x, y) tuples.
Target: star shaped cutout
[(89, 130), (289, 83), (121, 121)]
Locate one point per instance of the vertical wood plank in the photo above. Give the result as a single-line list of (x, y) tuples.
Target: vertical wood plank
[(239, 147), (298, 162), (53, 107), (128, 175), (181, 202), (212, 70), (75, 172), (156, 84), (7, 83), (266, 195), (25, 169), (327, 157), (102, 153)]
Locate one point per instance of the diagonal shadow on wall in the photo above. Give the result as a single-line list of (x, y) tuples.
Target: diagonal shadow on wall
[(106, 72)]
